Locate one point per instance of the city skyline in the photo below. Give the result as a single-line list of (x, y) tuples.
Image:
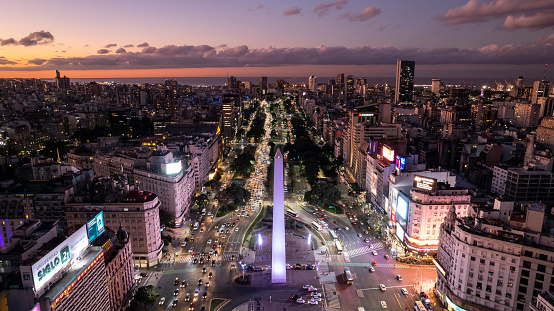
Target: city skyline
[(450, 39)]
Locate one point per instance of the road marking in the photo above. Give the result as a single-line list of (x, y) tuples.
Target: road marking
[(372, 288)]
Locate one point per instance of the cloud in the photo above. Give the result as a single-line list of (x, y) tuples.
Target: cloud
[(143, 45), (111, 45), (37, 61), (103, 51), (537, 21), (205, 56), (323, 9), (4, 61), (259, 7), (365, 15), (32, 39), (292, 11), (121, 50), (476, 12), (128, 46)]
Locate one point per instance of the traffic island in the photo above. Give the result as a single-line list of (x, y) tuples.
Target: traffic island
[(244, 280)]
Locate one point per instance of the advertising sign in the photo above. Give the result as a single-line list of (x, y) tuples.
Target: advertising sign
[(425, 183), (399, 232), (373, 146), (388, 153), (173, 168), (374, 185), (400, 162), (58, 258), (393, 214), (402, 207), (95, 226)]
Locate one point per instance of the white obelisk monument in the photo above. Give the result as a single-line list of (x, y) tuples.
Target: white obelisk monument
[(278, 255)]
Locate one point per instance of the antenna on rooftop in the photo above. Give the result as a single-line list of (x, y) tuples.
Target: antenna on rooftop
[(544, 76)]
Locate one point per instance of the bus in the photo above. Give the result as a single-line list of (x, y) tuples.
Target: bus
[(419, 306), (333, 235), (322, 223), (348, 276), (317, 226), (291, 213), (339, 247)]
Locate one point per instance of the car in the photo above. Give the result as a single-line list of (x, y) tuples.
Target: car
[(236, 229), (201, 261), (374, 263), (210, 275), (199, 282), (386, 256), (233, 266), (366, 240), (184, 284), (176, 292), (162, 301), (316, 298), (187, 297), (203, 308), (359, 235), (383, 304), (207, 283), (201, 230), (191, 307), (374, 253), (216, 227), (191, 251), (196, 292), (183, 244), (300, 300), (313, 302), (204, 295), (366, 232), (211, 252), (404, 291), (399, 277), (371, 269), (295, 297), (204, 269), (213, 263), (175, 302), (338, 229), (315, 294), (306, 286), (194, 261), (346, 228), (382, 287), (176, 282), (312, 289)]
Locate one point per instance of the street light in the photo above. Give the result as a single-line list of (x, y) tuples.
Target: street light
[(309, 239)]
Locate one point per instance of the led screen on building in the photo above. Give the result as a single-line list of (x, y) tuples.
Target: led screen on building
[(95, 226), (425, 183), (402, 207), (388, 153), (173, 168), (400, 162), (374, 185), (399, 232), (58, 258)]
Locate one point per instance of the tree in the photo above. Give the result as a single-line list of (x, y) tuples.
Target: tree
[(146, 296), (166, 220)]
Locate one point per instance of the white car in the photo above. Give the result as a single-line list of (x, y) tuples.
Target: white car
[(209, 241), (382, 287), (374, 253), (300, 300), (346, 228), (236, 229), (371, 269), (305, 286), (313, 302), (404, 291), (316, 298), (383, 304), (162, 301)]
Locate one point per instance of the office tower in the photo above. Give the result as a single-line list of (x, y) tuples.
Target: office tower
[(436, 85), (231, 116), (278, 251), (232, 83), (341, 86), (540, 89), (350, 87), (62, 83), (263, 85), (312, 84), (404, 81)]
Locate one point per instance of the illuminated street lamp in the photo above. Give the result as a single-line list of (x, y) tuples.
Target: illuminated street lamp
[(310, 239)]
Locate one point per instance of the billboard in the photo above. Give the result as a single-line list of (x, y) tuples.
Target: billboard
[(402, 207), (374, 185), (58, 258), (173, 168), (95, 226), (400, 162), (393, 214), (399, 232), (388, 153), (373, 146), (425, 183)]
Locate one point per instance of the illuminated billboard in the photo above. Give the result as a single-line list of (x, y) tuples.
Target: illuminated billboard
[(425, 183), (173, 168), (399, 232), (388, 153), (373, 146), (374, 185), (95, 226), (58, 258), (393, 214), (400, 162), (402, 207)]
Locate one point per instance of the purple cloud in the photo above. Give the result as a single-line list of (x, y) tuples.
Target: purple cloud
[(121, 50), (4, 61), (259, 7), (143, 45), (365, 15), (37, 61), (517, 13), (32, 39), (103, 51), (323, 9), (292, 11), (111, 45), (128, 46)]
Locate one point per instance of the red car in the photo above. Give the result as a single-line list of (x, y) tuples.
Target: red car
[(374, 263)]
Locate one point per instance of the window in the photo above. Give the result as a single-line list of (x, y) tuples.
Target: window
[(482, 261), (491, 263), (543, 257), (479, 285), (541, 268), (525, 273), (499, 283), (538, 285), (489, 288), (472, 258), (528, 253), (524, 281), (512, 269), (523, 289), (526, 264), (539, 277)]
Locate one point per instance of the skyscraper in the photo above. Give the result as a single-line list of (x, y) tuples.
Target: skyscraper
[(540, 89), (350, 87), (263, 85), (232, 83), (404, 81), (312, 84)]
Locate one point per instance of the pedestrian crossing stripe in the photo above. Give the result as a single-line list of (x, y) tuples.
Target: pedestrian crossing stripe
[(362, 264), (188, 258), (365, 250)]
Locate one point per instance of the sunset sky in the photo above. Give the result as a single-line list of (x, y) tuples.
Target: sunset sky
[(179, 38)]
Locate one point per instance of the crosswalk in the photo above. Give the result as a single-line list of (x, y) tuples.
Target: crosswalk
[(187, 258), (366, 249)]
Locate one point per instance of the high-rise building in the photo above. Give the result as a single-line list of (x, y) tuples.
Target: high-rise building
[(540, 89), (436, 85), (350, 88), (404, 81), (232, 83), (263, 85), (341, 84), (62, 83), (231, 116), (312, 84)]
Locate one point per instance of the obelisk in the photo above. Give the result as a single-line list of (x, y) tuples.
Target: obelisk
[(278, 255)]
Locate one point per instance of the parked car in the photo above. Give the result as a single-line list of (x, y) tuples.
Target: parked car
[(162, 301)]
